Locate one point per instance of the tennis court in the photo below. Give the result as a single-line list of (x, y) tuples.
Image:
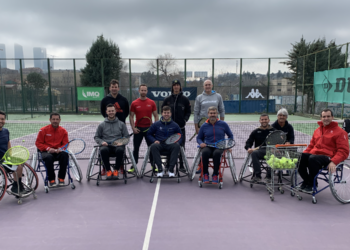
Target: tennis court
[(166, 214)]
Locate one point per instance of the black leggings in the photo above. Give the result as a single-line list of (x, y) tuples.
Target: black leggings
[(313, 163), (215, 153), (49, 159), (137, 143)]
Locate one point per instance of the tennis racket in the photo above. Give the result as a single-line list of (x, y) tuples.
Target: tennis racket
[(75, 146), (274, 138), (15, 156), (172, 139), (200, 123), (121, 141), (145, 122), (223, 144)]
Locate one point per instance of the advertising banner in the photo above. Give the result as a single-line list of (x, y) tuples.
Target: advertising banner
[(254, 93), (158, 94), (90, 93)]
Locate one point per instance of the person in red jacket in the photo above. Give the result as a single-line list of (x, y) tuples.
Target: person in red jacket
[(328, 147), (49, 141)]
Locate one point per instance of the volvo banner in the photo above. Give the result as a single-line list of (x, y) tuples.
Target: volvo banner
[(158, 94), (254, 93)]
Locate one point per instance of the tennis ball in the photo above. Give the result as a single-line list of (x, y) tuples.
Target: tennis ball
[(23, 140), (265, 157)]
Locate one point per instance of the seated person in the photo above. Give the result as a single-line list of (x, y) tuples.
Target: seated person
[(212, 131), (160, 131), (5, 144), (49, 141), (257, 137), (282, 124), (108, 131), (328, 147)]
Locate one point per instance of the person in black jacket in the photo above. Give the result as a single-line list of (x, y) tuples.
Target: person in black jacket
[(282, 124), (180, 109), (120, 103), (257, 138)]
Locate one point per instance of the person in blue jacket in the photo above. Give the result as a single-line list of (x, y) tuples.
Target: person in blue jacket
[(160, 131), (212, 131)]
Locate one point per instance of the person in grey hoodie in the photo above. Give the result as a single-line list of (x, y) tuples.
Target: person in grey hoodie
[(205, 100), (107, 132)]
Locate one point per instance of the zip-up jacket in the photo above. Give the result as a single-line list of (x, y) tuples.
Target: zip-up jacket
[(204, 101), (50, 137), (180, 108), (287, 129), (210, 134), (257, 137), (120, 103), (109, 131), (331, 141), (161, 130)]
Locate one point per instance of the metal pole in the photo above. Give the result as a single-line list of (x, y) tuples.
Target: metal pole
[(296, 88), (313, 92), (72, 97), (345, 66), (268, 85), (22, 86), (49, 90), (3, 90), (240, 87), (302, 90), (75, 88), (158, 83), (212, 71), (185, 76), (102, 74), (130, 81), (329, 66)]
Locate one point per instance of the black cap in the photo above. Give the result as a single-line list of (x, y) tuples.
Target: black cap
[(176, 82)]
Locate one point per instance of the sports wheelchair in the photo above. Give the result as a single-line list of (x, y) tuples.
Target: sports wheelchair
[(29, 181), (338, 182), (39, 166), (96, 160), (226, 161), (153, 173)]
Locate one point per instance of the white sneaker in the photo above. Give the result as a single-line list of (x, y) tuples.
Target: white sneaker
[(160, 174), (171, 174)]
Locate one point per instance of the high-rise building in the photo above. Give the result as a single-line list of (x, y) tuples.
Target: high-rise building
[(18, 55), (3, 56), (40, 58)]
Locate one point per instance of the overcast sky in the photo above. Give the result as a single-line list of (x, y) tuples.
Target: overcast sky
[(186, 29)]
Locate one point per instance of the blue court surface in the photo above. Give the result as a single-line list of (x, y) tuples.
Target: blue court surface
[(170, 215)]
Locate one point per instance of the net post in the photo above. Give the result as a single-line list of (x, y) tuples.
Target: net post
[(75, 87), (240, 86), (49, 90), (268, 85)]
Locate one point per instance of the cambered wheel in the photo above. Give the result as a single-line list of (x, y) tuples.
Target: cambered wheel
[(73, 163), (3, 182), (339, 183), (29, 177)]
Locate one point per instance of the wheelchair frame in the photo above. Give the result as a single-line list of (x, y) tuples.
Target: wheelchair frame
[(226, 161), (153, 174), (97, 161), (28, 177), (332, 181), (72, 165)]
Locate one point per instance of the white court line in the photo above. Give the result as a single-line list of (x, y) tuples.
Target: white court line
[(151, 217)]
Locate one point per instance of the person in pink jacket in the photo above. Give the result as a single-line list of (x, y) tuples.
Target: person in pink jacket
[(328, 147)]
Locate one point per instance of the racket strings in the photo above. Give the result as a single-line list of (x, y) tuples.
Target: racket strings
[(172, 139), (225, 144), (275, 138), (17, 155), (122, 141), (76, 146)]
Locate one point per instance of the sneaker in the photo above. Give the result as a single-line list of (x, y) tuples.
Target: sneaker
[(14, 188), (60, 182), (267, 179), (171, 174), (115, 174), (206, 178), (160, 175), (109, 175), (199, 170), (256, 179), (302, 185), (131, 170), (307, 189), (215, 179), (103, 172), (52, 183)]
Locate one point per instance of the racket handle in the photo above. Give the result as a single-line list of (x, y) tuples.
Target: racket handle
[(193, 136), (254, 149)]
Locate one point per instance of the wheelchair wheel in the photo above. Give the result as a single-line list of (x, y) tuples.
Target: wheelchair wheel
[(91, 164), (244, 168), (185, 162), (3, 182), (232, 166), (133, 162), (73, 163), (195, 163), (29, 177), (145, 161), (339, 183)]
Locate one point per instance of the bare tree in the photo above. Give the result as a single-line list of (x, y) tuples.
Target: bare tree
[(167, 67)]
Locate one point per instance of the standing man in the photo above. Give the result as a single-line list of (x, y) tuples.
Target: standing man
[(5, 144), (257, 138), (283, 125), (120, 103), (49, 141), (205, 100), (142, 107), (328, 147), (180, 110)]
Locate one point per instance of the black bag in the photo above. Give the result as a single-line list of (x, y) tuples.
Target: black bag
[(346, 125)]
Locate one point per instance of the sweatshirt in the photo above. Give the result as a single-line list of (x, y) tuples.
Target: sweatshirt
[(120, 103), (204, 101), (109, 131)]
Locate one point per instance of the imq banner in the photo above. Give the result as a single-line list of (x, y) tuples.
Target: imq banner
[(254, 93), (332, 86), (90, 93), (158, 94)]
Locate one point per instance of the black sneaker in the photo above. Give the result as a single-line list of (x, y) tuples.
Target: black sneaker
[(306, 189), (256, 179), (14, 188), (267, 179)]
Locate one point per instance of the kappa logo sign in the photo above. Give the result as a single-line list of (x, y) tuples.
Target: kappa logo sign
[(93, 94), (255, 94), (168, 93)]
